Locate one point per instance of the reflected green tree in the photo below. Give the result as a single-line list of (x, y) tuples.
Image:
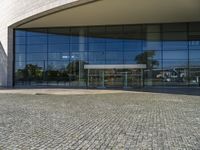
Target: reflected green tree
[(34, 72), (147, 58), (71, 72), (58, 74), (30, 72)]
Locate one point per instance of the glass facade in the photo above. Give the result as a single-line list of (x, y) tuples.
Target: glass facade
[(56, 56)]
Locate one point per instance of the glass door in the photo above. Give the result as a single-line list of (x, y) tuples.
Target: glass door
[(134, 78), (114, 78), (96, 78)]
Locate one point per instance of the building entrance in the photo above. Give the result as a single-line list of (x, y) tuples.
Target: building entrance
[(115, 77)]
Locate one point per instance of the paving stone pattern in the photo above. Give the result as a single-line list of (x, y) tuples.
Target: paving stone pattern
[(106, 122)]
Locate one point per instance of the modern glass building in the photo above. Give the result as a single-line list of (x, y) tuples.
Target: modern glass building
[(117, 56), (100, 43)]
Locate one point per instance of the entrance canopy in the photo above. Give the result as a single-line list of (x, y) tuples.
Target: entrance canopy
[(120, 66)]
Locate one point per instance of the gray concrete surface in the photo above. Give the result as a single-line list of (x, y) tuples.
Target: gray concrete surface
[(58, 91), (100, 121)]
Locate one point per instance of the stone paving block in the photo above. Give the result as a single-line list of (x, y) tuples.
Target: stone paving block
[(126, 121)]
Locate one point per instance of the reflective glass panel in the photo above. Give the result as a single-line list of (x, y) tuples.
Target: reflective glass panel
[(56, 56)]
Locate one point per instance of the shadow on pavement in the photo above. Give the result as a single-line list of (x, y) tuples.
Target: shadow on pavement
[(195, 91), (171, 90)]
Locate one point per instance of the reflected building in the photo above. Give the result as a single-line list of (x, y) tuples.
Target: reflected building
[(101, 44)]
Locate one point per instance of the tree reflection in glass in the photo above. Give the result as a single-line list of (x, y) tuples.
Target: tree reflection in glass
[(147, 58)]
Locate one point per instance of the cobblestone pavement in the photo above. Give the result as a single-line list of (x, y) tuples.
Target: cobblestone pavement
[(109, 121)]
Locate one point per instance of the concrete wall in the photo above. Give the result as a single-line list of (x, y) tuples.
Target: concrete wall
[(15, 12)]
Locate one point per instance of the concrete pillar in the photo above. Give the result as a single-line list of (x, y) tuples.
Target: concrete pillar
[(10, 58), (103, 79), (125, 80)]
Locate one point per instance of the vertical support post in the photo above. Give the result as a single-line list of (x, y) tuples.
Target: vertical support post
[(7, 74), (44, 71), (125, 80), (79, 73), (88, 78), (81, 56), (199, 81), (141, 78), (103, 79)]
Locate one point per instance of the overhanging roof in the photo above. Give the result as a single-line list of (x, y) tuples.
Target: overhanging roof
[(112, 12)]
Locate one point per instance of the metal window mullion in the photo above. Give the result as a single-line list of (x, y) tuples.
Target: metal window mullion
[(46, 68), (26, 45), (162, 48), (70, 56), (14, 57), (188, 63)]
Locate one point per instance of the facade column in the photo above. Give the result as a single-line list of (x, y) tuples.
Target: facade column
[(88, 84), (81, 56), (103, 79), (10, 59), (141, 78), (125, 80)]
